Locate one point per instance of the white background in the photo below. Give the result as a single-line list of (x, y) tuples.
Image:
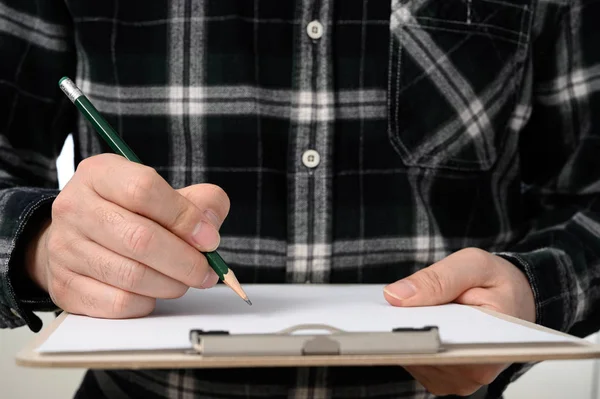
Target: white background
[(549, 380)]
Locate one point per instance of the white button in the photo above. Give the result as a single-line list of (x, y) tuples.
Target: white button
[(314, 30), (404, 14), (311, 158), (15, 313)]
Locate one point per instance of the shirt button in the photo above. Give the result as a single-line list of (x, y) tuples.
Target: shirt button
[(314, 30), (311, 158), (404, 14)]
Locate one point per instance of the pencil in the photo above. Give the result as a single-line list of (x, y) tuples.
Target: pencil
[(226, 275)]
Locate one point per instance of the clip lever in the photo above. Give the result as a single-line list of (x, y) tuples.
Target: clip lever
[(297, 341)]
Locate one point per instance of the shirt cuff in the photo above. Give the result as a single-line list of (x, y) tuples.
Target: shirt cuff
[(552, 287), (552, 284), (24, 211)]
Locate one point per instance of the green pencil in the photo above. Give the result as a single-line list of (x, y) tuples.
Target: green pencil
[(120, 147)]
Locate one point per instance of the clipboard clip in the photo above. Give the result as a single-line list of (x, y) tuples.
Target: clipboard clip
[(301, 340)]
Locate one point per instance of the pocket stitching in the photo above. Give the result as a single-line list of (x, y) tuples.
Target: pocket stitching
[(473, 27), (450, 163)]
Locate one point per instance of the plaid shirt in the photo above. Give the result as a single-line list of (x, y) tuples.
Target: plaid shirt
[(359, 141)]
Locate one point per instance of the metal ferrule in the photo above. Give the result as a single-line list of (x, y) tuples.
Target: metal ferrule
[(69, 88)]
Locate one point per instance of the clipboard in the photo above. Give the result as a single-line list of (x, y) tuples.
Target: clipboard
[(399, 347)]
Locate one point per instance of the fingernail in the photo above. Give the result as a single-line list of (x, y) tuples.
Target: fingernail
[(206, 236), (211, 279), (401, 289), (213, 218)]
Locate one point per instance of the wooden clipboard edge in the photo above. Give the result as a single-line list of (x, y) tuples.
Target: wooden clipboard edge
[(25, 356), (453, 354)]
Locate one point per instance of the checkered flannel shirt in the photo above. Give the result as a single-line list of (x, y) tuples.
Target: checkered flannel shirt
[(430, 126)]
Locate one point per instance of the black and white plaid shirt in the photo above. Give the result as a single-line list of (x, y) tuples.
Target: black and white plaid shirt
[(359, 141)]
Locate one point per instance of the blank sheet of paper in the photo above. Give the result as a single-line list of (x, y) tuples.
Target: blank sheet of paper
[(276, 307)]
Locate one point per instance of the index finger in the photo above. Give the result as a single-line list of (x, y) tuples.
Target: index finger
[(142, 190)]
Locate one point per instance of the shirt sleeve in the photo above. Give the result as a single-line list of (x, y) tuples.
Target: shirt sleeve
[(560, 165), (36, 43)]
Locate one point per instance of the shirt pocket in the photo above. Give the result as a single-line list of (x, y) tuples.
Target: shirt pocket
[(454, 74)]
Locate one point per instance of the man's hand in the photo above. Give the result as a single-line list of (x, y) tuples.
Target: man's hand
[(120, 237), (471, 277)]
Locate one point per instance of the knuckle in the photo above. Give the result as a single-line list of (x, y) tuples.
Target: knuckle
[(478, 256), (139, 187), (196, 271), (433, 281), (138, 239), (131, 274), (90, 168), (89, 302), (122, 302), (96, 161), (59, 285), (91, 165), (57, 245), (88, 164), (54, 244), (181, 219), (110, 217), (482, 262), (100, 266), (62, 205)]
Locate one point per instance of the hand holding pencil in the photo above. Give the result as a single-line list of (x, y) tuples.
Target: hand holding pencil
[(121, 237)]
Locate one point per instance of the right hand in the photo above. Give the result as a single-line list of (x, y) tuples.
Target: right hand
[(121, 236)]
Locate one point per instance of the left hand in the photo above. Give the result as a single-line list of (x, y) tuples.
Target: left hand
[(470, 277)]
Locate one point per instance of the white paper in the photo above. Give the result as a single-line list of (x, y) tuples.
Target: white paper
[(276, 307)]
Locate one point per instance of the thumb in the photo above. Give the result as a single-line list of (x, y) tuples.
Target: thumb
[(443, 281)]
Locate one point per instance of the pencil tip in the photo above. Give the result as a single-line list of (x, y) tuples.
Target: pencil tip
[(248, 301)]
